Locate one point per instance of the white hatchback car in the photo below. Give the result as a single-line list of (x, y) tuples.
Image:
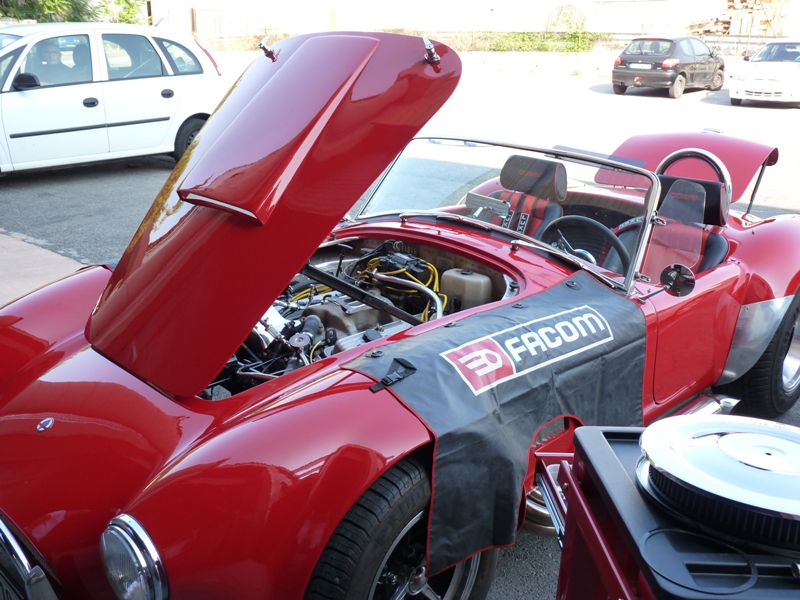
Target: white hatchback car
[(81, 92), (771, 75)]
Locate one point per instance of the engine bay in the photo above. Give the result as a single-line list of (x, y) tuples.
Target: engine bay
[(352, 292)]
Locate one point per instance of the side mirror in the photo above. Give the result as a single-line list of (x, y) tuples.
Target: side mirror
[(678, 280), (25, 81), (747, 58)]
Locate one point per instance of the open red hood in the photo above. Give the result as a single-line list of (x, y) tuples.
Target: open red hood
[(295, 143), (742, 158)]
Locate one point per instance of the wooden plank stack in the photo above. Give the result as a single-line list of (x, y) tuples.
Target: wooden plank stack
[(743, 18)]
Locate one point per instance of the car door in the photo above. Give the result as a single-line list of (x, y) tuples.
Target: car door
[(62, 118), (141, 96), (694, 330), (688, 61), (705, 62)]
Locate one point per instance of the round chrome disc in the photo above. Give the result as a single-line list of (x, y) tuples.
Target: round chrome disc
[(791, 363), (402, 573), (752, 462)]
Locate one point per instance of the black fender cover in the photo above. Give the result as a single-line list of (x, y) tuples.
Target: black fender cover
[(483, 386)]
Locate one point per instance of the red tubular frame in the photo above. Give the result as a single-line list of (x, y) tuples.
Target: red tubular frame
[(587, 550)]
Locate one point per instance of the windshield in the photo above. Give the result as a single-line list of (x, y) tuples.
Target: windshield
[(6, 39), (651, 47), (778, 53), (579, 204)]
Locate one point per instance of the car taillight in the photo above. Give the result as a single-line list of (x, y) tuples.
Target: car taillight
[(211, 58), (617, 61), (670, 63)]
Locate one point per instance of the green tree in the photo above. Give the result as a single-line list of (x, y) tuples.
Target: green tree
[(118, 11), (50, 10), (123, 11)]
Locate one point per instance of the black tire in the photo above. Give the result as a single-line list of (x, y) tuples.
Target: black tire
[(772, 386), (186, 134), (380, 544), (620, 88), (736, 101), (677, 87), (718, 81)]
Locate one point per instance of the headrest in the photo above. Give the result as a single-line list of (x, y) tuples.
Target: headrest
[(716, 198), (535, 176), (81, 55), (684, 201)]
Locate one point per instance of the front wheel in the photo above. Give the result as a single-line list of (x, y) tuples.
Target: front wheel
[(736, 101), (677, 87), (186, 134), (378, 550), (620, 88), (718, 81), (772, 385)]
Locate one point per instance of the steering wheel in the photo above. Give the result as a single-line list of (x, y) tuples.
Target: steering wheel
[(552, 232)]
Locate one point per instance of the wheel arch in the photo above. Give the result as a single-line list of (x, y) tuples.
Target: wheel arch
[(765, 251), (199, 115), (268, 493)]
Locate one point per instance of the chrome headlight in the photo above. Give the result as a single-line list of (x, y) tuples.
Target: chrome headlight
[(133, 566)]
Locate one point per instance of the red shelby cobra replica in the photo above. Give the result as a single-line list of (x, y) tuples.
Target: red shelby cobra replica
[(272, 397)]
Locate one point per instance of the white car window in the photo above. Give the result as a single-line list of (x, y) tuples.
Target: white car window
[(53, 60), (131, 57), (183, 61), (6, 62), (778, 53)]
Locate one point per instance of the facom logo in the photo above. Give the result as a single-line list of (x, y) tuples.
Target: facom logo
[(493, 359)]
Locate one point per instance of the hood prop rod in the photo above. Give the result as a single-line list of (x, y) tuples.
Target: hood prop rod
[(357, 293), (755, 187)]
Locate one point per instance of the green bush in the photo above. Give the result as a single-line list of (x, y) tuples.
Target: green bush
[(119, 11), (50, 10)]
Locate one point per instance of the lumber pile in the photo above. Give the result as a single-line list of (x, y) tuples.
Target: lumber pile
[(743, 18)]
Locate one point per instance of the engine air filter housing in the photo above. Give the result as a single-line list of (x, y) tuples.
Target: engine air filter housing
[(734, 477)]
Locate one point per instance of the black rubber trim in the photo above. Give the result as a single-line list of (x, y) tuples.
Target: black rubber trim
[(124, 123), (52, 131), (86, 128)]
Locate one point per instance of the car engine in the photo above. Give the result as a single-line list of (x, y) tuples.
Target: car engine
[(353, 292)]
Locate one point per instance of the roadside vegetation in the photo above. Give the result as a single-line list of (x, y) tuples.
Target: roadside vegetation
[(575, 40), (45, 11)]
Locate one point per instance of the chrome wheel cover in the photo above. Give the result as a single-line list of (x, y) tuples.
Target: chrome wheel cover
[(791, 362)]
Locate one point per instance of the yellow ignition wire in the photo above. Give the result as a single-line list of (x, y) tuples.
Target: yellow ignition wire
[(444, 300), (312, 291)]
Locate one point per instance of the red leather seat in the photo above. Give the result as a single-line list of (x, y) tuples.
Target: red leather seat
[(534, 189)]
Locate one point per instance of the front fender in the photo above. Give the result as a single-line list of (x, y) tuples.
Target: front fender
[(248, 513)]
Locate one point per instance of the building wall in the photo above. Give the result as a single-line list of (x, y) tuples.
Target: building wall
[(235, 18)]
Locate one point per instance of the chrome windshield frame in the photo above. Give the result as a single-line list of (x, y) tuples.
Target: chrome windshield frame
[(650, 200)]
